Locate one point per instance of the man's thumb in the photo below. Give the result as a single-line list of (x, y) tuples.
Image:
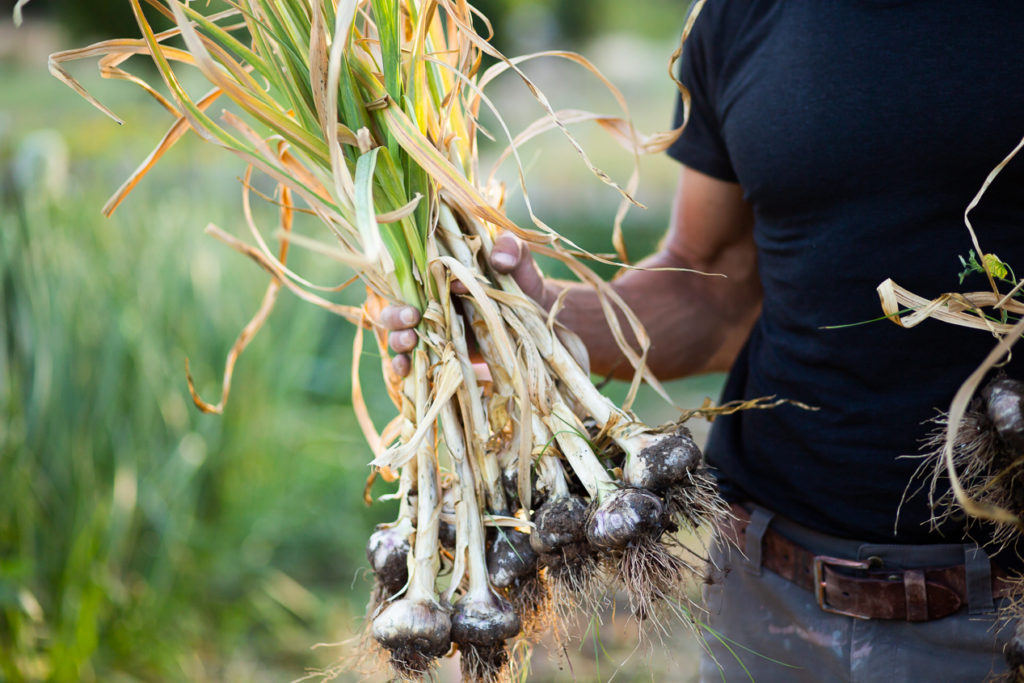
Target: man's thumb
[(511, 257)]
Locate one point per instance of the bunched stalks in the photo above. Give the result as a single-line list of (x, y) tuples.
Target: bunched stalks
[(416, 629), (364, 114), (482, 620), (388, 547)]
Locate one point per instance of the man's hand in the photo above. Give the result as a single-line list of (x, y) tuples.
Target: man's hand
[(402, 338), (512, 257), (697, 323), (509, 256)]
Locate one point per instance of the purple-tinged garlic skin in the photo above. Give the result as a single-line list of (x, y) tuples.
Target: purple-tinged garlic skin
[(446, 535), (483, 621), (412, 626), (1004, 405), (624, 517), (510, 557), (388, 552)]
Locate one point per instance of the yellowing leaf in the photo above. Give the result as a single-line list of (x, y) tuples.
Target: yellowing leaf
[(994, 266)]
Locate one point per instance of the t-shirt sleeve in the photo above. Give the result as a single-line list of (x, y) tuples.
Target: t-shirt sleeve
[(701, 146)]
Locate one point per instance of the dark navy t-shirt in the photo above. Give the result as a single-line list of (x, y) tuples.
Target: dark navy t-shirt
[(859, 131)]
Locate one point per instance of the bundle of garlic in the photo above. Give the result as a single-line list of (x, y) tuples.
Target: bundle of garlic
[(526, 485)]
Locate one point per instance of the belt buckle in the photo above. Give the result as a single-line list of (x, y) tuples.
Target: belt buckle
[(820, 561)]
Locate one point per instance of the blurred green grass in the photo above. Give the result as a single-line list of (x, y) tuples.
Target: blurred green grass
[(136, 534), (140, 539)]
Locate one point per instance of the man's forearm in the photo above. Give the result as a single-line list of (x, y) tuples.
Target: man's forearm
[(696, 323)]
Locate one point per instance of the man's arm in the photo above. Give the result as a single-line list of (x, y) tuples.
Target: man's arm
[(697, 323)]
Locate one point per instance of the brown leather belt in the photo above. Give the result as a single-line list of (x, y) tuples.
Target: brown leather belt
[(863, 589)]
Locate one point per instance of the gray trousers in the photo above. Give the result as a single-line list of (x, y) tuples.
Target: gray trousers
[(762, 627)]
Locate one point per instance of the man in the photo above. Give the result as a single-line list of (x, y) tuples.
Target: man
[(830, 146)]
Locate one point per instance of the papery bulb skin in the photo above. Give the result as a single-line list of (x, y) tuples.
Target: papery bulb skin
[(625, 516), (510, 557), (388, 552), (559, 522), (666, 462)]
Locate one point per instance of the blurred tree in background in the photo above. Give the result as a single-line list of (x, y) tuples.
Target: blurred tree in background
[(93, 19), (569, 22), (100, 19)]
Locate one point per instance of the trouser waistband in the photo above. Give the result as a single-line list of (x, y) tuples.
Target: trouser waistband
[(977, 567), (902, 556)]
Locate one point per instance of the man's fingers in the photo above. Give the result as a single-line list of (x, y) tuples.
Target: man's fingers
[(399, 317), (506, 253), (401, 364), (458, 287), (402, 341)]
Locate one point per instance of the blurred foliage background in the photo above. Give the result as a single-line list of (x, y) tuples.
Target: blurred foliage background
[(143, 540)]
